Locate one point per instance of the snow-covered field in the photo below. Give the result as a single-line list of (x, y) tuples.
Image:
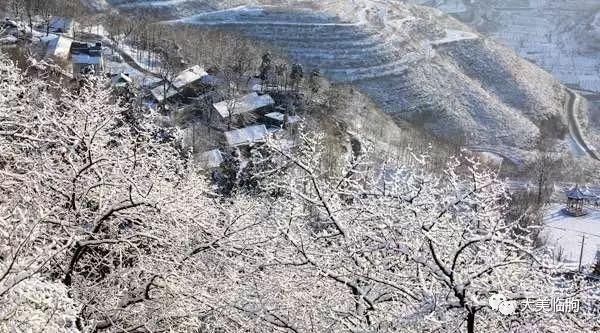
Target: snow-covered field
[(565, 234)]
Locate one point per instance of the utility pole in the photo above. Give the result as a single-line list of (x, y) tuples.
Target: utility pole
[(581, 252)]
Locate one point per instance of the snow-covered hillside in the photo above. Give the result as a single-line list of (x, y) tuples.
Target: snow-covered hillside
[(415, 62), (562, 37)]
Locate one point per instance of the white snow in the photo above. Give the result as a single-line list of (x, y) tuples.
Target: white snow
[(244, 104), (8, 40), (453, 7), (59, 47), (244, 15), (145, 59), (387, 53), (183, 79), (565, 232), (164, 3), (211, 159), (559, 36), (97, 5), (246, 135), (189, 76), (454, 36), (280, 117), (86, 59), (596, 23)]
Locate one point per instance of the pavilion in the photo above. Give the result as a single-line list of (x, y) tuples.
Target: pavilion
[(575, 202)]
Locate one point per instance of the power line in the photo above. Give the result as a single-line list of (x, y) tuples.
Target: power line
[(581, 232)]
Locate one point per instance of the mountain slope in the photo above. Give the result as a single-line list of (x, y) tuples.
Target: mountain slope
[(414, 62), (560, 36)]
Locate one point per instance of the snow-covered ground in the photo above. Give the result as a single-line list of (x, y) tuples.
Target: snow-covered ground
[(116, 67), (453, 36), (97, 5), (145, 59), (566, 232)]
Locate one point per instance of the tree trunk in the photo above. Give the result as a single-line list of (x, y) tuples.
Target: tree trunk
[(471, 322)]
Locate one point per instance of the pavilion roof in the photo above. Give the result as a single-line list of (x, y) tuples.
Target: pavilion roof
[(576, 193)]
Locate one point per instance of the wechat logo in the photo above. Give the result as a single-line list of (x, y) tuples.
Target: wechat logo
[(502, 304)]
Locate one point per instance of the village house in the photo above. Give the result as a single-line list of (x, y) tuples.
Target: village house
[(121, 80), (230, 112), (246, 136), (185, 83), (86, 58), (211, 159), (278, 120), (59, 48)]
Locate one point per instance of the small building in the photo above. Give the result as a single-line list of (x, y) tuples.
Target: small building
[(211, 159), (121, 80), (61, 25), (59, 48), (86, 58), (187, 79), (575, 202), (246, 104), (246, 136), (280, 120)]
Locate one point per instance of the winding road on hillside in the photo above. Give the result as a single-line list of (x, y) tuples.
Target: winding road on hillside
[(574, 128)]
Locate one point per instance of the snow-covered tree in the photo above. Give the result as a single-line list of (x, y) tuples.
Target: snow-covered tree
[(107, 225), (391, 248), (114, 214)]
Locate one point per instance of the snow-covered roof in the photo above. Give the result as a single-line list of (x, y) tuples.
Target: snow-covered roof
[(121, 79), (244, 104), (211, 80), (59, 47), (8, 40), (184, 78), (211, 159), (575, 193), (278, 116), (189, 76), (246, 135), (10, 23), (86, 59), (163, 91)]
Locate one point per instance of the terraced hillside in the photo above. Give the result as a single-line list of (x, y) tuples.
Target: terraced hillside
[(563, 37), (414, 62)]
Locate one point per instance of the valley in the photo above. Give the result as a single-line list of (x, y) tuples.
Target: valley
[(415, 63)]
